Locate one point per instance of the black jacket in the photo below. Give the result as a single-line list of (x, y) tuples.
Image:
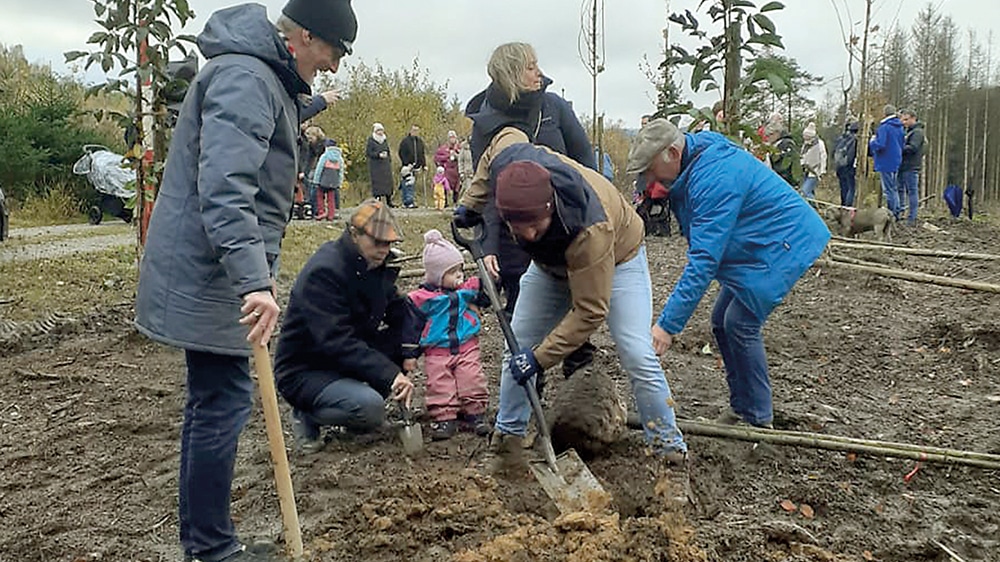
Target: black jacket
[(913, 148), (412, 151), (342, 320), (548, 120)]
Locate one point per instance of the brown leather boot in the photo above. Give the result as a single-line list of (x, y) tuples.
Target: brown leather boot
[(508, 451)]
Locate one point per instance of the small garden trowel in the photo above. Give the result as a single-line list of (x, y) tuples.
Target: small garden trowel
[(410, 433)]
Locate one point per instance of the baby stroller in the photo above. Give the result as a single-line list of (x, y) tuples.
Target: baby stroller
[(654, 209), (113, 181)]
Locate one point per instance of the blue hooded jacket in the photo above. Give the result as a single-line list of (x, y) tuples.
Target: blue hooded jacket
[(746, 228), (887, 146)]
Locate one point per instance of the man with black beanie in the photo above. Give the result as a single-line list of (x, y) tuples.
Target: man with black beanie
[(210, 262)]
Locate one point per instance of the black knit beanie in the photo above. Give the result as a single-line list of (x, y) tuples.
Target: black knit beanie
[(331, 20)]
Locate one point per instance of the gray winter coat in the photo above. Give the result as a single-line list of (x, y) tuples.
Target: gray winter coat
[(215, 231)]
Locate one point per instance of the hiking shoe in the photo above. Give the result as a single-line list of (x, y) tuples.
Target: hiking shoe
[(729, 417), (306, 433), (675, 484), (475, 423), (257, 552), (442, 430), (675, 458), (508, 451)]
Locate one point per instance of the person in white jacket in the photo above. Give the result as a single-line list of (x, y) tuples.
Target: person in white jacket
[(813, 160)]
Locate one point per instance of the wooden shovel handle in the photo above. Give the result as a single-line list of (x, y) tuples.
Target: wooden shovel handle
[(276, 443)]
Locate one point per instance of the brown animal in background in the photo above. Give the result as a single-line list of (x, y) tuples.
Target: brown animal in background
[(851, 221)]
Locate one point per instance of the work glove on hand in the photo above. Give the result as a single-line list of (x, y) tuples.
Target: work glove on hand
[(524, 366), (463, 217)]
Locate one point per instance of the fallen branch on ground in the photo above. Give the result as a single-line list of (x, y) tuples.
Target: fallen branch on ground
[(951, 553), (835, 443), (914, 251), (850, 263), (870, 242)]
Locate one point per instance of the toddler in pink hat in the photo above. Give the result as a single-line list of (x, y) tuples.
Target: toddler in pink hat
[(448, 305)]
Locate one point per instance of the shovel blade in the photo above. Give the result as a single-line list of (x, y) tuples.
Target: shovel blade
[(574, 487), (412, 438)]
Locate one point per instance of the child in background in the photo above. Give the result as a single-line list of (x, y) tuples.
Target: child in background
[(407, 183), (441, 189), (448, 306), (327, 177)]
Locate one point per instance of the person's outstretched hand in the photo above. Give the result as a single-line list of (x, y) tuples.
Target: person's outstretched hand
[(331, 96), (492, 266), (661, 339)]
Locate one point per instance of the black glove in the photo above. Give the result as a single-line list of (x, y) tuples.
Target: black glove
[(578, 358), (464, 217)]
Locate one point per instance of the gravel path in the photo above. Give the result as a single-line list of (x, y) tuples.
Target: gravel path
[(83, 238), (87, 240)]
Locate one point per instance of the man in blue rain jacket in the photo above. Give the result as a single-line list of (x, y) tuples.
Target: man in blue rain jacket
[(747, 229)]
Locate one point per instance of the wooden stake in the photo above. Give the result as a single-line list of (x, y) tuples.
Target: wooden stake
[(846, 444), (870, 242), (276, 443), (914, 251), (909, 275)]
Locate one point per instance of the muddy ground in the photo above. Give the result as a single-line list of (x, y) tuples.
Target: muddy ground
[(90, 417)]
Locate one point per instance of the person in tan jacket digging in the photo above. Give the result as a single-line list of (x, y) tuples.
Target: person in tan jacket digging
[(588, 266)]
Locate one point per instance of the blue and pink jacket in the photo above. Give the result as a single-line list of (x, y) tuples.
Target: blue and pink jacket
[(449, 320)]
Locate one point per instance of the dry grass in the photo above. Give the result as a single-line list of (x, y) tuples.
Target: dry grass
[(56, 206), (74, 285), (80, 284)]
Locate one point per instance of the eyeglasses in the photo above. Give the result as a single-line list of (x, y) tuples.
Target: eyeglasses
[(378, 243)]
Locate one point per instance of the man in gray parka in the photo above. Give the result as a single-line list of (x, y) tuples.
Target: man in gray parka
[(215, 235)]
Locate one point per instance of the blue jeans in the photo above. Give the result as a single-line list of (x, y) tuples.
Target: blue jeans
[(544, 301), (809, 187), (909, 184), (218, 406), (891, 192), (848, 183), (311, 194), (737, 332), (347, 403), (407, 189)]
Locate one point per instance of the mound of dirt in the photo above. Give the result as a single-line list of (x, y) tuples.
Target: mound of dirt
[(587, 414), (597, 535)]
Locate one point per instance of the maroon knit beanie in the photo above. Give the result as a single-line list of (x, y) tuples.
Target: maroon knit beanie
[(524, 192)]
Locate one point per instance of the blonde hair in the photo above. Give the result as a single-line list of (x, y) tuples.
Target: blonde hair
[(286, 26), (314, 134), (507, 65)]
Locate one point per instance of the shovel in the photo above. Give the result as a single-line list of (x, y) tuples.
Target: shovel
[(566, 478), (410, 433)]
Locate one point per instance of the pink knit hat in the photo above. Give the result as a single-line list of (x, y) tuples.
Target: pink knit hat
[(440, 255)]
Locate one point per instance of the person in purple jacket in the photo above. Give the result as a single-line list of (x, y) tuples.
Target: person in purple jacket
[(886, 147)]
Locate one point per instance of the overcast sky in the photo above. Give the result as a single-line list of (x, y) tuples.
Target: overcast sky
[(454, 38)]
